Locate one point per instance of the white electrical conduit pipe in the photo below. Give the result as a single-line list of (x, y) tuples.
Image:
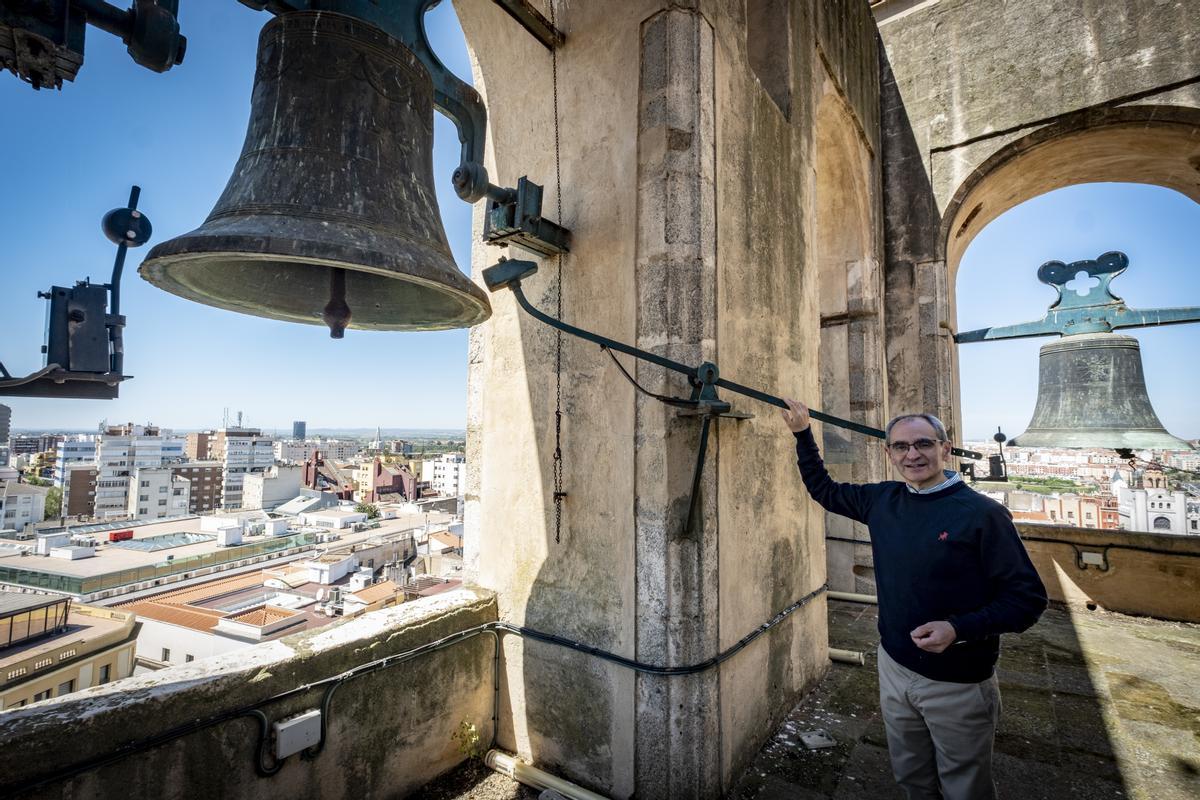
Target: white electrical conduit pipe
[(853, 597), (519, 771), (847, 656)]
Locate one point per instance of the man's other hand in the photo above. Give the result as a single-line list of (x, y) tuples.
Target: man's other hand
[(795, 415), (934, 637)]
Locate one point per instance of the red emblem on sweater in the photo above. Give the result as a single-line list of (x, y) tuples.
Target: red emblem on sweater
[(943, 536)]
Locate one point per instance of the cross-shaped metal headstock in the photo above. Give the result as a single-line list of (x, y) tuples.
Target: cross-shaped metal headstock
[(1085, 305)]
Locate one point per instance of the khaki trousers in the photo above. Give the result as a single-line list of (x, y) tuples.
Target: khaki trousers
[(939, 734)]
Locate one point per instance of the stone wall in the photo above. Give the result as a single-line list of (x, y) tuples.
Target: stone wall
[(688, 155), (969, 86), (389, 732)]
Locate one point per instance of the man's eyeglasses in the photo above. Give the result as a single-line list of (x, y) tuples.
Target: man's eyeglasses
[(922, 445)]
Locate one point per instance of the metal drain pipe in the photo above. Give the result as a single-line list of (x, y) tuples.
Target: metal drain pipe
[(519, 771)]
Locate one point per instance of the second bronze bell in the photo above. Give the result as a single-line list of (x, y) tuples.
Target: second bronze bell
[(330, 215)]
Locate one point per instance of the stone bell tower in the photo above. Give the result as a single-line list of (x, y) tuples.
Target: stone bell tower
[(717, 165)]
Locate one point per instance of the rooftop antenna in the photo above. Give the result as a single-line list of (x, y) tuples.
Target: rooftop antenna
[(225, 418)]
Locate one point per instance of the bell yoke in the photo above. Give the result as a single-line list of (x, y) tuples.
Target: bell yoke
[(330, 215)]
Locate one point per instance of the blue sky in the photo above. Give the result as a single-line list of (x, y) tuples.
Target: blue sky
[(71, 156)]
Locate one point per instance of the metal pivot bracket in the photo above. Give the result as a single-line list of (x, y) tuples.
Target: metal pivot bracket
[(704, 379), (515, 217), (84, 347), (42, 42)]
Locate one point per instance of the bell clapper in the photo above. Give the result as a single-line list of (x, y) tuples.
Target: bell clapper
[(336, 313)]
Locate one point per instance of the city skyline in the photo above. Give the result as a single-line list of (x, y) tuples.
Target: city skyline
[(195, 360)]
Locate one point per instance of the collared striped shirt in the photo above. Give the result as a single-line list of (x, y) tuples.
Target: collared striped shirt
[(951, 479)]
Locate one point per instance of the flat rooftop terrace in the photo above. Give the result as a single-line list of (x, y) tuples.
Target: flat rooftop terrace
[(117, 557)]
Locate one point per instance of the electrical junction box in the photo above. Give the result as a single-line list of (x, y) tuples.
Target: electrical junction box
[(297, 733)]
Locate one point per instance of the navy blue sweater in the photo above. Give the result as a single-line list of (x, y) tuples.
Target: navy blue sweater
[(950, 555)]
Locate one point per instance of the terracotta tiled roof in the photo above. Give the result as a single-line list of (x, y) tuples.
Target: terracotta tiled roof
[(204, 591), (377, 592), (199, 619), (263, 615), (446, 539), (175, 607)]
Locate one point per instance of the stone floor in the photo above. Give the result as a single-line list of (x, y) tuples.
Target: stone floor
[(1095, 705)]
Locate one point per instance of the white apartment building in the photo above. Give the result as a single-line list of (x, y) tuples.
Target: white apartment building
[(157, 493), (120, 451), (242, 452), (76, 451), (446, 475), (335, 449), (1186, 459), (21, 505), (272, 488)]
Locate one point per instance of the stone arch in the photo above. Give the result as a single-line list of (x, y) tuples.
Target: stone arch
[(1132, 144), (847, 242)]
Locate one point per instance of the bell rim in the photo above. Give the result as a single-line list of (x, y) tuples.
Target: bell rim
[(156, 269), (1117, 439)]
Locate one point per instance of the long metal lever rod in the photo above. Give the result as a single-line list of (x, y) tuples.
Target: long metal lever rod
[(508, 274)]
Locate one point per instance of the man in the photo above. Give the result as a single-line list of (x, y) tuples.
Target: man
[(951, 575)]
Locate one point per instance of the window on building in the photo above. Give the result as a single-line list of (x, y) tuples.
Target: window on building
[(1162, 524), (105, 673), (66, 688), (42, 696), (166, 654), (189, 658), (145, 484)]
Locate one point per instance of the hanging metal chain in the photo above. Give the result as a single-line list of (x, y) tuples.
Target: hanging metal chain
[(559, 494)]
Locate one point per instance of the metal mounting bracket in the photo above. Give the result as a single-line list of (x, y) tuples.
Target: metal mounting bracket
[(84, 347)]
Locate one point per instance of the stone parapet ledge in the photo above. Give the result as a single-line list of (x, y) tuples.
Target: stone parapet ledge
[(389, 732), (1131, 572)]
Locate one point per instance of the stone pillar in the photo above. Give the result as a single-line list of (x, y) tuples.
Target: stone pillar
[(677, 570)]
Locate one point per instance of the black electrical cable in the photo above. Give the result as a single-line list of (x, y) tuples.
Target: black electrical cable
[(557, 466), (335, 681), (662, 398)]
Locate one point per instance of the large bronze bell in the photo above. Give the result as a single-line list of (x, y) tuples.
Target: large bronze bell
[(1092, 393), (330, 214)]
